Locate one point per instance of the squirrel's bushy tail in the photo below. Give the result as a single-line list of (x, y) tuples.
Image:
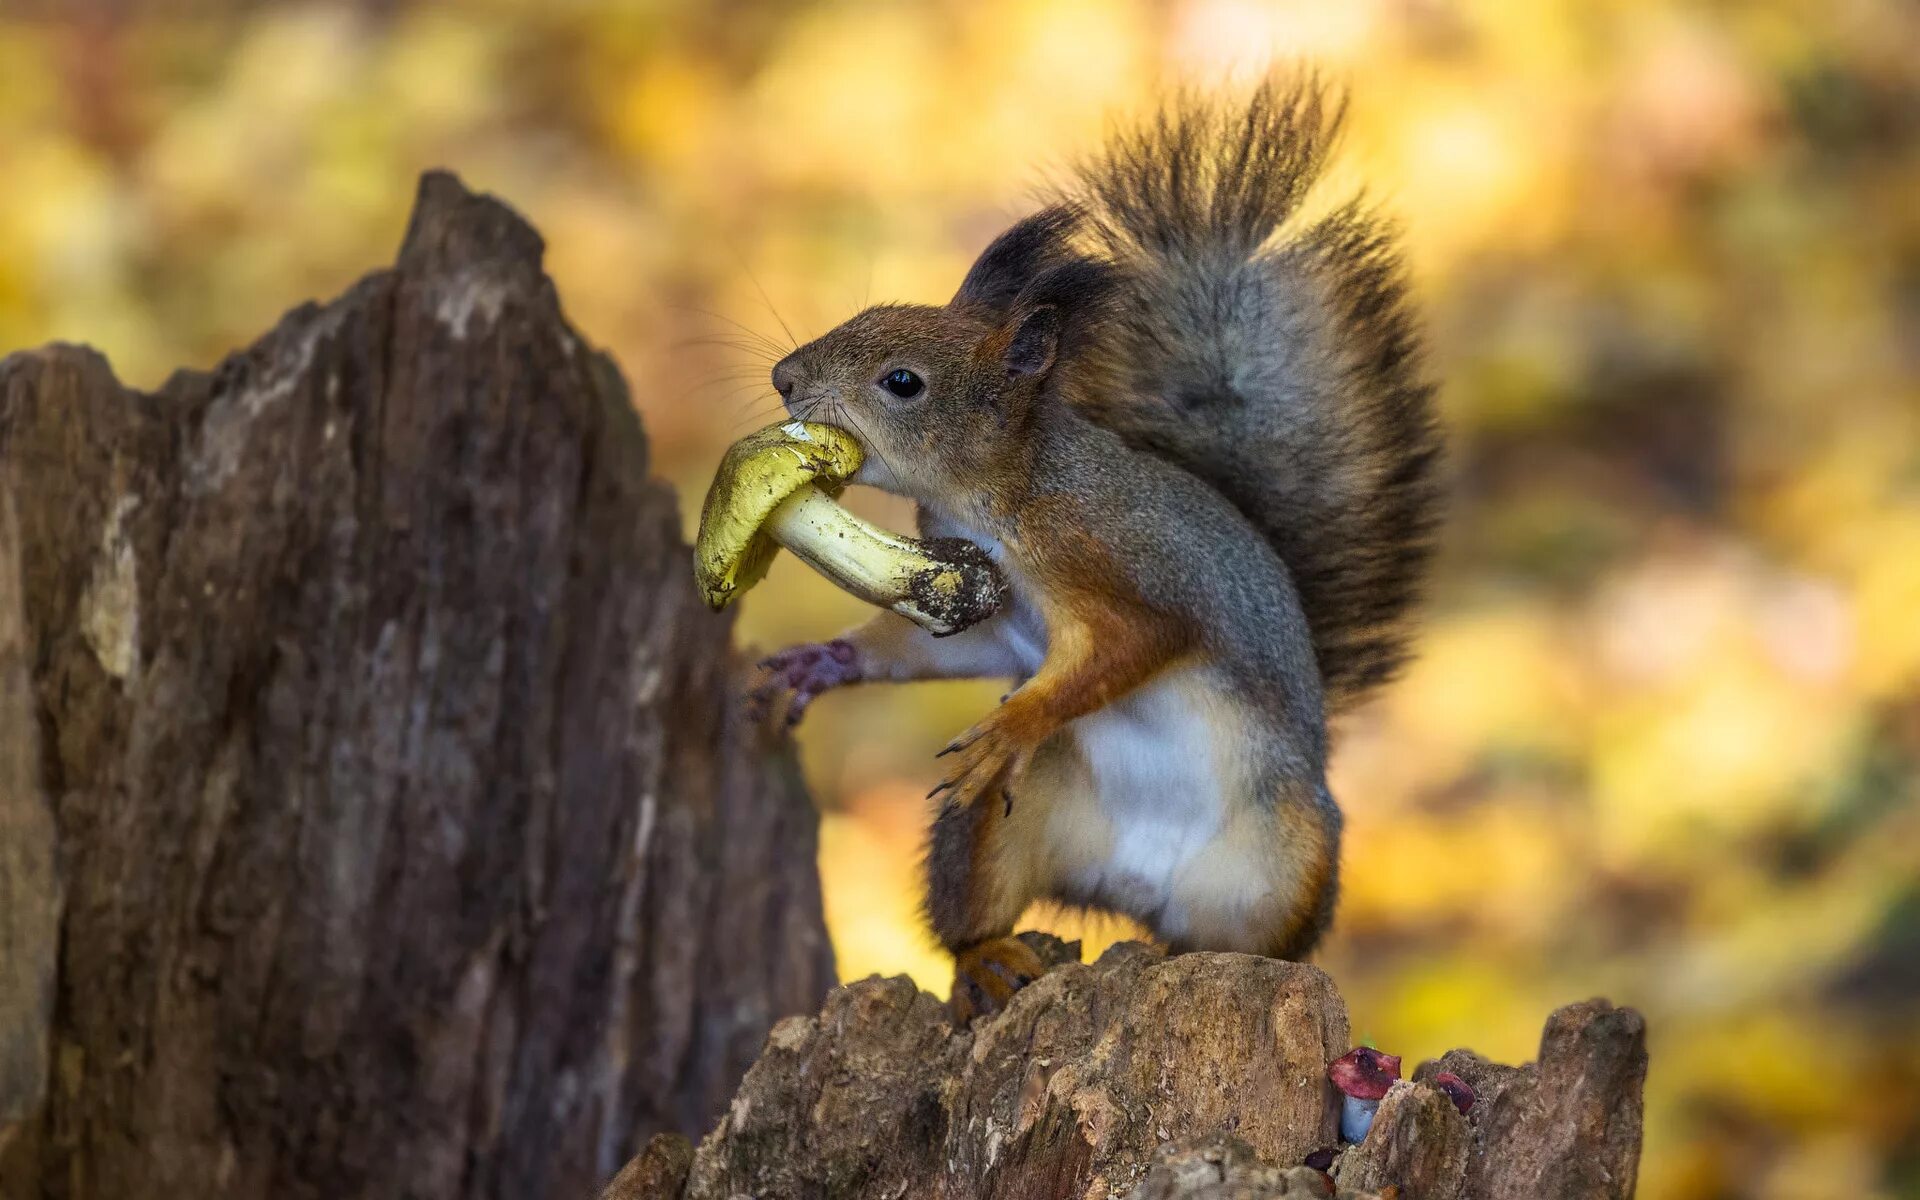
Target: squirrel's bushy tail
[(1281, 366)]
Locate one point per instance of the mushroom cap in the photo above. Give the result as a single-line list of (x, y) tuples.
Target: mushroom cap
[(1457, 1090), (758, 473), (1364, 1073)]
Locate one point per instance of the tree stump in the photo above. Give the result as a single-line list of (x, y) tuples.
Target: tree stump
[(371, 819), (1141, 1077)]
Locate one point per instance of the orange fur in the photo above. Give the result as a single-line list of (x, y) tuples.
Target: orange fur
[(1313, 863), (1096, 651), (986, 975)]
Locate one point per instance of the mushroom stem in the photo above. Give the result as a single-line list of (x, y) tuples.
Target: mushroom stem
[(943, 586), (862, 558), (1356, 1117)]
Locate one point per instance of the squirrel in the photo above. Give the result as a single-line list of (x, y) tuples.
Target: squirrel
[(1199, 443)]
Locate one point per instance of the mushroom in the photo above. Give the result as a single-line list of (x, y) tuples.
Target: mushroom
[(777, 487), (1457, 1090), (1363, 1076)]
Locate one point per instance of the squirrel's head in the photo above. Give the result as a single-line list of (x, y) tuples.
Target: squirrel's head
[(943, 398)]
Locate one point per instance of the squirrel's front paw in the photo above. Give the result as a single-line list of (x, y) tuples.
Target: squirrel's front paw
[(990, 759), (802, 673)]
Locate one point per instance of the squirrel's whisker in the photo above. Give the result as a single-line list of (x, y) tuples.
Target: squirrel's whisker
[(771, 344), (841, 409), (793, 343)]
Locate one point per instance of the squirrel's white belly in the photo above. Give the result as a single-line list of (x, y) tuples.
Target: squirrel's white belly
[(1149, 831), (1152, 811)]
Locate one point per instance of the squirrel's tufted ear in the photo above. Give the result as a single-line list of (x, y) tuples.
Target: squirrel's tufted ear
[(1015, 258), (1030, 351), (1082, 288), (1061, 312)]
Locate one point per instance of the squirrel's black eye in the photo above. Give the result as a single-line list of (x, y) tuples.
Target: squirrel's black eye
[(904, 384)]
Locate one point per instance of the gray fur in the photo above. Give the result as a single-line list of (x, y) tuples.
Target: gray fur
[(1283, 369), (1189, 551)]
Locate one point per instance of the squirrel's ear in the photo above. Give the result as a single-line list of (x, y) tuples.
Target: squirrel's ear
[(1015, 258), (1030, 351)]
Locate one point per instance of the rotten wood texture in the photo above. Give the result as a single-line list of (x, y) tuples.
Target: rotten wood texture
[(1567, 1125), (659, 1170), (1228, 1169), (1070, 1092), (1418, 1143), (1196, 1077), (371, 819)]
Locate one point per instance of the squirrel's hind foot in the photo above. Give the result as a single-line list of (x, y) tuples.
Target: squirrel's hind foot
[(987, 974)]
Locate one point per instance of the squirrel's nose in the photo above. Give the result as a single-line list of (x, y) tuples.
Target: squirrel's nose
[(784, 376)]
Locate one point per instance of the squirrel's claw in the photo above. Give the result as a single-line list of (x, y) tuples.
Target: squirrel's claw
[(989, 761), (985, 728)]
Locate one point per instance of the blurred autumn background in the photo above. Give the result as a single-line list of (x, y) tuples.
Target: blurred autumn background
[(1663, 739)]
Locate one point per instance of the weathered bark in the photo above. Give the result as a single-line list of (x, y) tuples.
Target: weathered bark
[(1228, 1169), (1418, 1143), (1568, 1125), (659, 1170), (1199, 1077), (1070, 1092), (360, 693)]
